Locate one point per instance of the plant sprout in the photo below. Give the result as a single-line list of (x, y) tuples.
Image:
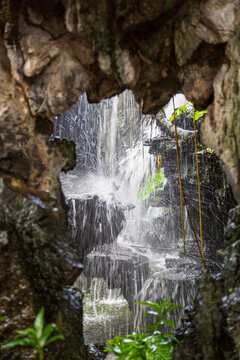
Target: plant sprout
[(37, 337)]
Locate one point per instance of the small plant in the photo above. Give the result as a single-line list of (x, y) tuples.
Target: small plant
[(189, 109), (160, 311), (149, 346), (37, 337), (153, 182)]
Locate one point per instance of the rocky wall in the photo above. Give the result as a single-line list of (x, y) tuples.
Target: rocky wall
[(55, 51), (50, 52), (211, 327)]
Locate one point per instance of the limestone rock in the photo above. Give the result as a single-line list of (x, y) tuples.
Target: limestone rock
[(221, 127), (216, 23)]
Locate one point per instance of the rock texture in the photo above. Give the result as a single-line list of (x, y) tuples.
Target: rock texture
[(216, 308), (52, 51), (60, 49), (221, 126), (37, 266), (216, 197)]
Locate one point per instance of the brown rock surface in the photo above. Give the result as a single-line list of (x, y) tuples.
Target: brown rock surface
[(52, 51)]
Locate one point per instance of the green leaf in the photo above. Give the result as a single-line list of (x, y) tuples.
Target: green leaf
[(170, 308), (18, 342), (180, 110), (107, 349), (189, 109), (199, 114), (164, 346), (173, 338), (39, 322), (152, 304), (46, 333), (138, 346), (151, 185), (3, 318), (170, 322), (54, 338), (30, 332), (155, 305)]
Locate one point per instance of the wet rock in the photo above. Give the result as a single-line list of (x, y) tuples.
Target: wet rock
[(216, 195), (146, 46), (222, 134), (3, 238), (184, 52), (216, 308), (111, 357), (105, 312), (179, 288), (232, 246), (108, 222), (185, 265), (116, 267), (35, 268), (96, 352)]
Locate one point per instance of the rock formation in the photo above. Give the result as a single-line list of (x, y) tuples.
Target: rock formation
[(51, 52)]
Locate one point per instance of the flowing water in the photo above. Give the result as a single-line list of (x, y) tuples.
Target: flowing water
[(124, 223)]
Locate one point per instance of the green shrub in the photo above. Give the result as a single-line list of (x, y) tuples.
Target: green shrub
[(189, 110), (147, 346)]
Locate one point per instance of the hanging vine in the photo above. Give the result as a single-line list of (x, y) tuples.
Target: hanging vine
[(180, 179), (183, 198), (198, 181)]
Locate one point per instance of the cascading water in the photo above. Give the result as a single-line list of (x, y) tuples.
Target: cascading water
[(125, 225)]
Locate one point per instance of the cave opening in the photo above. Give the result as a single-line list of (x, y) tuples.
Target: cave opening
[(124, 210)]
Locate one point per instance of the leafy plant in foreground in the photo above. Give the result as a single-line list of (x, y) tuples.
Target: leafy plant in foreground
[(160, 311), (37, 337), (150, 346)]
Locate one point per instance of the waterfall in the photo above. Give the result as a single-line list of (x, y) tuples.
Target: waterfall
[(125, 225)]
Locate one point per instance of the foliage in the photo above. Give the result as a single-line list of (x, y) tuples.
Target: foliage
[(37, 337), (153, 182), (150, 346), (206, 148), (189, 109), (141, 346), (160, 310), (3, 318), (210, 150)]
